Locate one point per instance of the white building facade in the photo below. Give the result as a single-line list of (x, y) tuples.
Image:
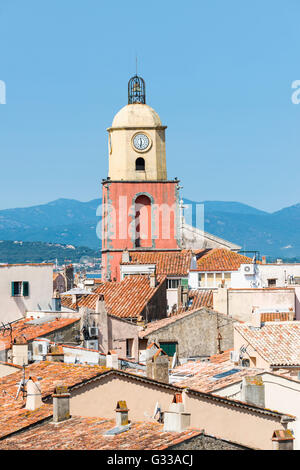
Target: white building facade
[(23, 288)]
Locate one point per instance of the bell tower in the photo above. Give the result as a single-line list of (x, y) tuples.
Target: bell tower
[(140, 205), (136, 139)]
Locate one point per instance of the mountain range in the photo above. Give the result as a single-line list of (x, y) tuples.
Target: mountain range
[(68, 221)]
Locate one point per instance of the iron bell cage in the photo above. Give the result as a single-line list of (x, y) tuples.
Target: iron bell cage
[(136, 90)]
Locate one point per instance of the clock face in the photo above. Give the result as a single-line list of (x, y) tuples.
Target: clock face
[(141, 142)]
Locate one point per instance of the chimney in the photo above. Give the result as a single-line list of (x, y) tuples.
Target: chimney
[(56, 354), (264, 260), (152, 280), (74, 299), (61, 403), (125, 256), (283, 439), (253, 391), (112, 361), (256, 320), (176, 419), (100, 305), (33, 396), (56, 301), (184, 297), (158, 367), (121, 413), (20, 351)]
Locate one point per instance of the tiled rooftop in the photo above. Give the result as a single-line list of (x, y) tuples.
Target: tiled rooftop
[(80, 433), (220, 259), (173, 263), (198, 298), (200, 375), (26, 330), (276, 342), (13, 415), (125, 299), (277, 316)]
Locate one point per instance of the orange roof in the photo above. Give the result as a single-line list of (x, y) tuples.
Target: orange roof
[(28, 331), (171, 263), (197, 298), (80, 433), (13, 415), (220, 259), (278, 343), (204, 376), (125, 299), (277, 316)]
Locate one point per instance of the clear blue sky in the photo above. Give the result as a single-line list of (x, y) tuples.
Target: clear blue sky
[(219, 73)]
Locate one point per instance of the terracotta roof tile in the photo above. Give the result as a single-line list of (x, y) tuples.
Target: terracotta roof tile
[(27, 331), (173, 263), (204, 376), (125, 299), (220, 259), (278, 343), (197, 298), (277, 316), (13, 415), (80, 433)]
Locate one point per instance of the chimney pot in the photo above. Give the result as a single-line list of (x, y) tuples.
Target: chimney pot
[(61, 403), (256, 319), (152, 280), (121, 413), (34, 395), (253, 390), (112, 361), (176, 419)]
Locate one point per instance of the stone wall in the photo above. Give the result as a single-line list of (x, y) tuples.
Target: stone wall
[(197, 333)]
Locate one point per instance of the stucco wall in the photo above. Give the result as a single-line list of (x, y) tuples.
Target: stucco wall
[(239, 303), (99, 398), (40, 278), (6, 369), (281, 394), (197, 334)]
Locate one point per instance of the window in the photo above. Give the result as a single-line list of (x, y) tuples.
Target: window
[(129, 347), (19, 288), (143, 235), (210, 280), (227, 277), (16, 289), (168, 347), (173, 283), (272, 282), (140, 164), (218, 279), (201, 279)]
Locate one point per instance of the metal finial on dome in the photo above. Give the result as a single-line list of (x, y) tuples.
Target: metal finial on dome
[(136, 90)]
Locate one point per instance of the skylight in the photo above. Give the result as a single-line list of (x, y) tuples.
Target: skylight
[(225, 374)]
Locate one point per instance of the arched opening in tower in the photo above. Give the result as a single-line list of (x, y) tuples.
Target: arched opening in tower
[(143, 235), (140, 164)]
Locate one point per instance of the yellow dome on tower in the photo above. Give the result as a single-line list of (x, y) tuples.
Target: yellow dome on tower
[(136, 115)]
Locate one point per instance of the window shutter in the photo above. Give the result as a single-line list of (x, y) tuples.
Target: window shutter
[(12, 289), (25, 289)]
